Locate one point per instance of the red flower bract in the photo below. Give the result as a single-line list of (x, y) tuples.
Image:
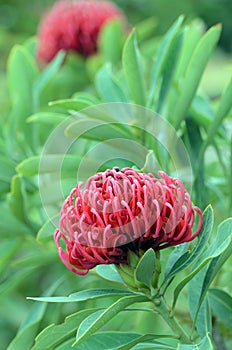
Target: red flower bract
[(73, 26), (122, 210)]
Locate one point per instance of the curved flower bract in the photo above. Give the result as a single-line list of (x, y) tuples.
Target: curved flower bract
[(122, 210), (73, 26)]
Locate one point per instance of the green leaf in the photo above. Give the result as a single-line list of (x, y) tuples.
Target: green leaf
[(201, 282), (194, 71), (47, 118), (141, 339), (193, 33), (112, 32), (7, 169), (70, 104), (7, 250), (97, 131), (16, 198), (221, 304), (146, 267), (21, 73), (108, 314), (10, 225), (47, 230), (205, 344), (221, 112), (146, 28), (47, 74), (108, 87), (55, 334), (162, 56), (178, 263), (48, 163), (169, 69), (25, 336), (84, 295), (204, 319), (132, 65), (217, 247), (109, 273)]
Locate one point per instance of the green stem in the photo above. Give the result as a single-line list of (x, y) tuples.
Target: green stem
[(162, 309)]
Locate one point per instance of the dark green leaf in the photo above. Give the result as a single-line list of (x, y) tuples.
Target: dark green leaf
[(178, 263), (217, 247), (55, 334), (223, 109), (146, 267)]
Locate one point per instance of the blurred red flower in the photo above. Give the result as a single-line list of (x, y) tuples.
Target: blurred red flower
[(73, 26), (122, 210)]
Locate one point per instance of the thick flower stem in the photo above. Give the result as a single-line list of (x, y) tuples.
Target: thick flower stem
[(162, 309)]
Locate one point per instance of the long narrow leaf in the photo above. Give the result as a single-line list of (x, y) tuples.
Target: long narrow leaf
[(108, 314)]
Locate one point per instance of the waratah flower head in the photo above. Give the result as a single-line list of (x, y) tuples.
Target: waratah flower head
[(122, 210), (73, 26)]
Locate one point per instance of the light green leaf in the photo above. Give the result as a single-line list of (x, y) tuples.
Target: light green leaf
[(10, 225), (146, 28), (221, 304), (108, 314), (48, 73), (205, 344), (112, 32), (132, 65), (47, 164), (47, 118), (146, 267), (16, 198), (194, 71), (109, 273), (162, 55), (70, 104), (7, 169), (84, 295), (47, 230), (108, 87), (55, 334), (97, 131)]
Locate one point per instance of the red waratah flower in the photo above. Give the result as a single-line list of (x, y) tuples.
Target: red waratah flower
[(73, 26), (122, 210)]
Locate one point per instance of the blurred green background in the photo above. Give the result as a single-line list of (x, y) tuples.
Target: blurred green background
[(19, 20)]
